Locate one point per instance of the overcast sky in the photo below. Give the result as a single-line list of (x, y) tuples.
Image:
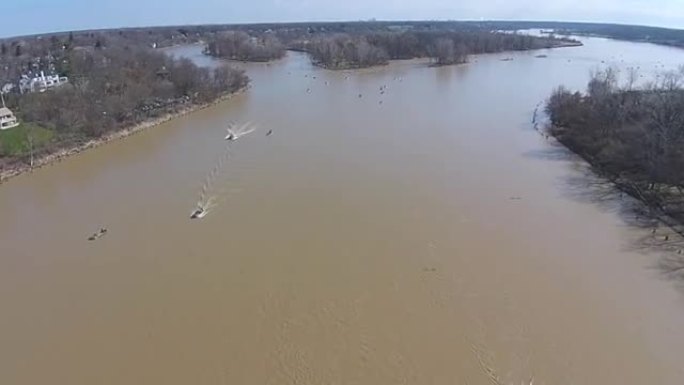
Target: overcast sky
[(20, 17)]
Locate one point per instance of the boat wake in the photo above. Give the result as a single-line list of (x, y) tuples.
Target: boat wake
[(235, 131), (203, 208), (207, 197)]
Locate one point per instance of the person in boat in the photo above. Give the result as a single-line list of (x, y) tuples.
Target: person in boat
[(99, 234)]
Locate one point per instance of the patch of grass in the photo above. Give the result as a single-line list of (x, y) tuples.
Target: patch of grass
[(15, 141)]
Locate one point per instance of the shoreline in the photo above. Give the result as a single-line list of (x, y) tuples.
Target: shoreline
[(652, 209), (20, 167), (648, 212)]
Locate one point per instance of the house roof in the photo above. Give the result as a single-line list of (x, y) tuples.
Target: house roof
[(5, 111)]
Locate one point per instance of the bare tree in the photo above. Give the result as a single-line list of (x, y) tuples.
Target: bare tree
[(238, 45), (446, 51), (633, 135)]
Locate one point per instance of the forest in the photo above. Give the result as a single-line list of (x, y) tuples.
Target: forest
[(633, 135), (111, 88), (340, 51), (239, 45)]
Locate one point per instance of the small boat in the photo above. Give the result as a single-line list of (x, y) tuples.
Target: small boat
[(199, 213)]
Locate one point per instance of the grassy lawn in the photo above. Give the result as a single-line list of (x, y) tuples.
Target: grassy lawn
[(14, 141)]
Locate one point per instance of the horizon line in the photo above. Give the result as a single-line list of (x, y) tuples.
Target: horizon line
[(371, 20)]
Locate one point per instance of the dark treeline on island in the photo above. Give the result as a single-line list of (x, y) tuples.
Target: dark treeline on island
[(239, 45), (634, 136), (340, 51)]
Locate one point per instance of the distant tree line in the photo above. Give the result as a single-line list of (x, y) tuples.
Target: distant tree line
[(343, 51), (262, 42), (369, 44), (655, 35), (117, 87), (238, 45), (445, 47), (20, 54), (632, 135)]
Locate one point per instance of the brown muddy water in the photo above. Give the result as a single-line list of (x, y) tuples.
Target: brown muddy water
[(433, 238)]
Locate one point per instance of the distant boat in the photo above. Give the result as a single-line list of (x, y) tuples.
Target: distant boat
[(237, 133)]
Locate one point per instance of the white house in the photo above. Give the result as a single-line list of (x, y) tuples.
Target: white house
[(40, 82), (7, 119), (7, 88)]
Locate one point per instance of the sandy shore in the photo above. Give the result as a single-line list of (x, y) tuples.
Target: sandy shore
[(21, 168)]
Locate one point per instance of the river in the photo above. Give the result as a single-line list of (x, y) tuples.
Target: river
[(427, 235)]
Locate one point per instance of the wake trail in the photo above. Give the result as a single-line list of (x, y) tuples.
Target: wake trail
[(209, 181), (207, 196)]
